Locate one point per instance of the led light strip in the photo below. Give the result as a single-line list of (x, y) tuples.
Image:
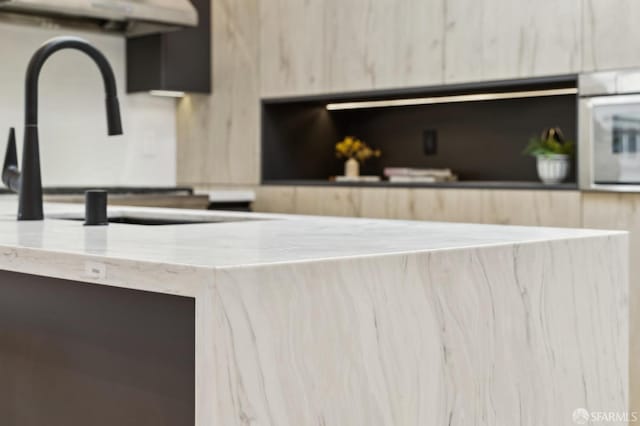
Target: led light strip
[(450, 99), (167, 93)]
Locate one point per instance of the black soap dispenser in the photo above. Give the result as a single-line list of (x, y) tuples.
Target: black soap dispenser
[(96, 208)]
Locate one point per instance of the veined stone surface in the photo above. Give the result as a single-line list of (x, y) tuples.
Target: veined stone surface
[(333, 321)]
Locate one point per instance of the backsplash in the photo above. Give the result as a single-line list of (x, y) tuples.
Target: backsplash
[(75, 148)]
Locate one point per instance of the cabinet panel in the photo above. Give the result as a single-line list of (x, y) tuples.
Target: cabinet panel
[(497, 39), (336, 46), (292, 46), (463, 41), (275, 199), (383, 203), (535, 208), (383, 43), (622, 211), (73, 353), (176, 60), (218, 135), (611, 34), (530, 208), (432, 204), (326, 201)]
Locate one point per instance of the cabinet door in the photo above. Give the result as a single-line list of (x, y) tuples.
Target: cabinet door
[(219, 135), (73, 353), (292, 47), (383, 43), (337, 45), (530, 208), (611, 34), (326, 201), (498, 39), (622, 211), (500, 207)]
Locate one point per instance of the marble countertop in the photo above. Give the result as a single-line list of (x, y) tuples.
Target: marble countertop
[(127, 190), (300, 320), (256, 239)]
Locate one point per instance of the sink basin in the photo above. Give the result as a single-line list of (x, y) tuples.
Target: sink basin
[(156, 219)]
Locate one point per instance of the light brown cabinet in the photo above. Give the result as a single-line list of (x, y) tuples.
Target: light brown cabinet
[(219, 134), (499, 39), (509, 207), (610, 34), (337, 46), (622, 211)]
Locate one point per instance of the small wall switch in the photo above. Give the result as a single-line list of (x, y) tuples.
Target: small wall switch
[(430, 142)]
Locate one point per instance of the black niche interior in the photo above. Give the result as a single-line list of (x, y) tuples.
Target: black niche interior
[(481, 141)]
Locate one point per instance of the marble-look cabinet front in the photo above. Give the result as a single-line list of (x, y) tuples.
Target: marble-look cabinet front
[(516, 207), (502, 335)]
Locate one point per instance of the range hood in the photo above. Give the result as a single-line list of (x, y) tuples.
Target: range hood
[(132, 17)]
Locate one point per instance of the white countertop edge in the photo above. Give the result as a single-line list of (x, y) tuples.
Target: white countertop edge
[(143, 275), (106, 271)]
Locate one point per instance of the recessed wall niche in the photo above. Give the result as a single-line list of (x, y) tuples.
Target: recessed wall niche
[(478, 140)]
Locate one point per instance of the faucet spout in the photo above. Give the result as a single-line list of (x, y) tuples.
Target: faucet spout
[(28, 182), (59, 43)]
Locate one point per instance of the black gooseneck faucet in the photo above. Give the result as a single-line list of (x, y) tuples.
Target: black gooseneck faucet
[(28, 183)]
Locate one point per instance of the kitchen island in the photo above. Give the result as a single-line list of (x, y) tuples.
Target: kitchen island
[(293, 320)]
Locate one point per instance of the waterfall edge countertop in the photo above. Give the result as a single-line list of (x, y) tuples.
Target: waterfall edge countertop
[(254, 239), (304, 320)]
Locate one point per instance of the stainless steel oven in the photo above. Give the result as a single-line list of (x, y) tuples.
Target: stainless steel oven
[(609, 134)]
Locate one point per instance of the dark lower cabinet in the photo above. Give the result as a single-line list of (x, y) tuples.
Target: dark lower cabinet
[(77, 354)]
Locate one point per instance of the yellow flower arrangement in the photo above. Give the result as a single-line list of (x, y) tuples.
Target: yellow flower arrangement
[(351, 147)]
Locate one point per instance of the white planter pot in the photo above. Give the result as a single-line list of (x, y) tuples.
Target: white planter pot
[(553, 169), (352, 168)]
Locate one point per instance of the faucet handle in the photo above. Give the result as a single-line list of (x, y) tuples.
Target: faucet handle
[(10, 173)]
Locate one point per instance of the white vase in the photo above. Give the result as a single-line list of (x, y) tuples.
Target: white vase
[(352, 168), (553, 169)]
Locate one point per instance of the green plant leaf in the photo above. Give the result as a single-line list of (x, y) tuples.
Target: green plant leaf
[(541, 147)]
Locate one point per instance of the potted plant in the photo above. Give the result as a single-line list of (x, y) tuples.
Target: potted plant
[(553, 155), (356, 152)]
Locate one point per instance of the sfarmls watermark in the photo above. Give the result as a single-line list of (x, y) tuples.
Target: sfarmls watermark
[(583, 417)]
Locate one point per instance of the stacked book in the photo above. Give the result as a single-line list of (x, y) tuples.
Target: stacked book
[(369, 179), (412, 175)]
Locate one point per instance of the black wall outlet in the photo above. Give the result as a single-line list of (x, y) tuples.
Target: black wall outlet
[(430, 141)]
